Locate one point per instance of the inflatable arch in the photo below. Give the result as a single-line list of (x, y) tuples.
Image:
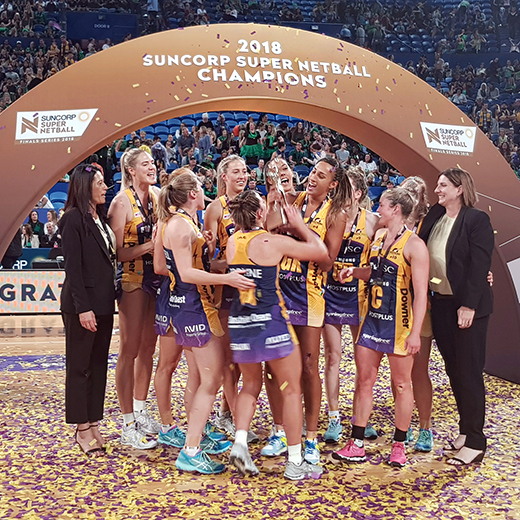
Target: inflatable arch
[(270, 69)]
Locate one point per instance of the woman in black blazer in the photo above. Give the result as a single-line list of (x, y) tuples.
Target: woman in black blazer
[(460, 240), (87, 303)]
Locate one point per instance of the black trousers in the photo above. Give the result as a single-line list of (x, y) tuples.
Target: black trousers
[(464, 353), (86, 363)]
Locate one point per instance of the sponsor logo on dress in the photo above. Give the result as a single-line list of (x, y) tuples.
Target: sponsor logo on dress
[(240, 346), (52, 126), (449, 139)]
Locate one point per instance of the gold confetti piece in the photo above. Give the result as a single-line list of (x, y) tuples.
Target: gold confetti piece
[(426, 106), (177, 78), (478, 164), (347, 108), (377, 81), (430, 113), (283, 386), (360, 85), (117, 124), (176, 97), (335, 90), (462, 119), (388, 88), (387, 67), (458, 166), (189, 90), (436, 281), (375, 110), (97, 118), (495, 231), (431, 157), (232, 366), (146, 94), (33, 167), (411, 135), (339, 100), (68, 149), (227, 86), (204, 95), (360, 110), (135, 85), (489, 208), (269, 376), (92, 442)]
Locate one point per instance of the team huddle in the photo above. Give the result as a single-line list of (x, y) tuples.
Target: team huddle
[(244, 302)]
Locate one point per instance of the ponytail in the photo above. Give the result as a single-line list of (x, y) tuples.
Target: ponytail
[(244, 208), (175, 194)]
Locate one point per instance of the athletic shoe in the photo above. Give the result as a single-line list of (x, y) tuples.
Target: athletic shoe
[(199, 462), (211, 432), (424, 441), (333, 432), (208, 445), (304, 470), (370, 433), (224, 422), (134, 437), (276, 445), (397, 457), (409, 436), (147, 424), (252, 437), (311, 453), (241, 459), (351, 453), (174, 437)]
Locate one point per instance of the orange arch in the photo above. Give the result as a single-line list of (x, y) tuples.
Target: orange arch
[(298, 73)]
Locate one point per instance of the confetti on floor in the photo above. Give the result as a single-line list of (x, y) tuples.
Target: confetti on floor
[(43, 475)]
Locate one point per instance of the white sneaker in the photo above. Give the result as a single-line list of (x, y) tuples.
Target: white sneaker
[(132, 436), (147, 424), (224, 422)]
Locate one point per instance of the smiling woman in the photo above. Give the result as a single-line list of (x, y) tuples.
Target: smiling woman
[(87, 303)]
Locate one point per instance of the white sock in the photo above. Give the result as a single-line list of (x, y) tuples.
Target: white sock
[(295, 454), (334, 415), (128, 418), (139, 406), (191, 452), (165, 428), (241, 437)]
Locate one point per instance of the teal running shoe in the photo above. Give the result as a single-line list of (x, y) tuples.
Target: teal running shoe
[(211, 432), (333, 432), (370, 433), (174, 437), (409, 436), (424, 441), (200, 463), (208, 445)]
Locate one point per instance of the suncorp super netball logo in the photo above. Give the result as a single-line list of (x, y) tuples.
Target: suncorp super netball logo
[(52, 126), (449, 139)]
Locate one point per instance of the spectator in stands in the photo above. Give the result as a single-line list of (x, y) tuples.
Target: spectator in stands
[(220, 125), (210, 191), (205, 122), (106, 45), (204, 143), (459, 98), (185, 145), (29, 238), (159, 152), (297, 155), (251, 186), (51, 238), (52, 216), (368, 165), (342, 155), (250, 145), (297, 133), (192, 164), (35, 224), (259, 171), (484, 118)]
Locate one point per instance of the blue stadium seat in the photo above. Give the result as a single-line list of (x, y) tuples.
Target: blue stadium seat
[(175, 121), (160, 129), (188, 122), (374, 192), (58, 196), (148, 129)]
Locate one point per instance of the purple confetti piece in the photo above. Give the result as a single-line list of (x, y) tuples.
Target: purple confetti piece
[(240, 86), (150, 101), (34, 115), (173, 82), (1, 128), (382, 112), (254, 32), (226, 41), (218, 36), (377, 88), (336, 82), (340, 49), (186, 99), (395, 82)]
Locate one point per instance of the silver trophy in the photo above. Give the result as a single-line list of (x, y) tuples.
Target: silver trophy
[(276, 216)]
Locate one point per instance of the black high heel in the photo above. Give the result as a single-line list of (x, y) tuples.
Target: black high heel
[(457, 461), (88, 453)]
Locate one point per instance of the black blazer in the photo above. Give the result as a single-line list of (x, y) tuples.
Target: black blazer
[(89, 273), (468, 256)]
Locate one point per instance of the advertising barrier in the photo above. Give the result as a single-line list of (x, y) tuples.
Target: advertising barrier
[(30, 292)]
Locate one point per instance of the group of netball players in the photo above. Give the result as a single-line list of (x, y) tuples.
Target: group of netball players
[(244, 302)]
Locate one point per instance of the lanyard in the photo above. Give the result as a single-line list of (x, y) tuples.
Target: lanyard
[(148, 215), (184, 212), (314, 213), (379, 269), (353, 228)]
